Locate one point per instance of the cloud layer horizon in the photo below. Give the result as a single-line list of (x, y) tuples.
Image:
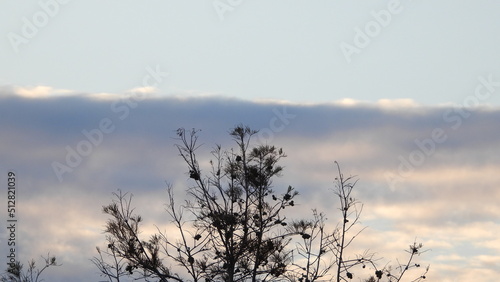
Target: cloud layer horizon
[(425, 173)]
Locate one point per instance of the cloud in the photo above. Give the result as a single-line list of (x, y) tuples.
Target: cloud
[(34, 92), (445, 193)]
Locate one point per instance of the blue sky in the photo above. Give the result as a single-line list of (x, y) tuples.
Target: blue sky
[(431, 52), (403, 94)]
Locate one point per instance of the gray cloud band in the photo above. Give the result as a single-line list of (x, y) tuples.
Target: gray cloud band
[(94, 137), (277, 123), (427, 147)]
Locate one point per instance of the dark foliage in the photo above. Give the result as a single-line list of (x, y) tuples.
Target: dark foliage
[(16, 273), (234, 227)]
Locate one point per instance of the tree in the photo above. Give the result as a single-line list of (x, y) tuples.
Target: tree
[(233, 227), (340, 239), (324, 251), (15, 272), (236, 209), (115, 269), (125, 247), (311, 261), (238, 229)]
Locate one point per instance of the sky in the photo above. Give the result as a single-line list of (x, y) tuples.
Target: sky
[(403, 94)]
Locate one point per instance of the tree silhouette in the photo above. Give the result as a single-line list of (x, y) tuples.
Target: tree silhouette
[(233, 227), (16, 273), (236, 210), (238, 232), (324, 251)]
